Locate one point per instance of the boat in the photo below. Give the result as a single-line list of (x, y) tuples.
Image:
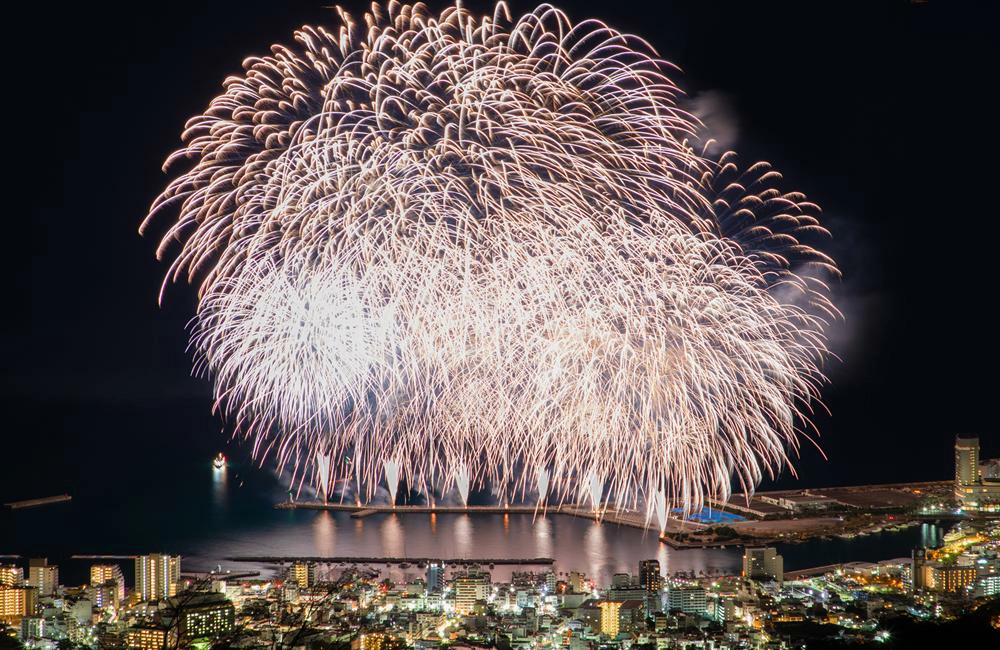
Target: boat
[(219, 462)]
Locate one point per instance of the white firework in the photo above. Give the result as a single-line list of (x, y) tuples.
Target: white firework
[(458, 251)]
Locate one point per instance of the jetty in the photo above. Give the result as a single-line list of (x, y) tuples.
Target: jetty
[(34, 503), (287, 559), (605, 515)]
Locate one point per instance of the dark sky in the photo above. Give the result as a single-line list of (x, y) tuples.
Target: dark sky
[(881, 112)]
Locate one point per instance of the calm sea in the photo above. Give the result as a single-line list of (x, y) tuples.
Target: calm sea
[(207, 515)]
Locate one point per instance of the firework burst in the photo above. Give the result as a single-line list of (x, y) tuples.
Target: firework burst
[(459, 251)]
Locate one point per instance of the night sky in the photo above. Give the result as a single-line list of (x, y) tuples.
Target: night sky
[(880, 112)]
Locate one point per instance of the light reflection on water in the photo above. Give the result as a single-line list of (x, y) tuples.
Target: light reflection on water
[(931, 536), (325, 534), (543, 536), (218, 516), (463, 527), (393, 537), (596, 549), (600, 550), (220, 493)]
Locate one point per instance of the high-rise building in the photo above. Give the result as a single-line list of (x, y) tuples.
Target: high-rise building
[(105, 596), (610, 613), (110, 576), (156, 576), (435, 577), (974, 489), (626, 587), (577, 582), (618, 616), (919, 559), (763, 563), (470, 588), (550, 582), (649, 575), (303, 574), (690, 600), (966, 462), (43, 576), (17, 602), (11, 575), (32, 627)]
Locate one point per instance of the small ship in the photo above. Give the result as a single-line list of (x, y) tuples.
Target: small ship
[(219, 462)]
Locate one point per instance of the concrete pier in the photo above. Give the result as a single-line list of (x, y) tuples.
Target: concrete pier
[(616, 517)]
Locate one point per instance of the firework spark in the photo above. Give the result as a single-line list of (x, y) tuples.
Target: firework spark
[(463, 252)]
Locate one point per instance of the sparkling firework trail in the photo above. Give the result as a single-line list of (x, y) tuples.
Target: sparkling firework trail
[(459, 252)]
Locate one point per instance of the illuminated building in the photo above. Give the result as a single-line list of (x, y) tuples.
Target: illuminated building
[(17, 602), (550, 582), (146, 637), (11, 576), (43, 576), (156, 576), (690, 600), (206, 615), (966, 462), (620, 616), (610, 612), (105, 596), (576, 582), (975, 489), (762, 564), (471, 587), (948, 577), (919, 560), (988, 585), (372, 641), (32, 627), (435, 577), (110, 575), (649, 575), (623, 587), (303, 574)]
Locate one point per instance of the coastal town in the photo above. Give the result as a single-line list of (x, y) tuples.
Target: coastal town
[(316, 605), (426, 603)]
